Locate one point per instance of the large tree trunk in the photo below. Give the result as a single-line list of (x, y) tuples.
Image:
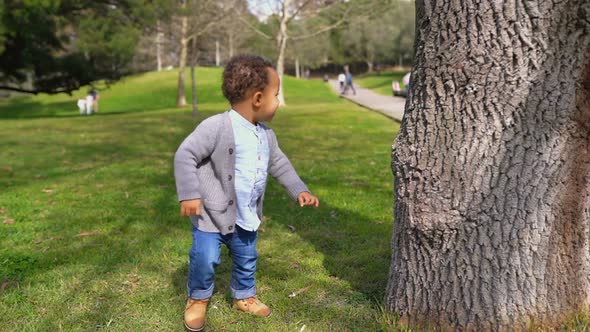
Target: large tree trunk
[(492, 167), (282, 45), (181, 100)]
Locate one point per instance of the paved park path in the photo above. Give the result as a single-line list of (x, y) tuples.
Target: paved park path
[(392, 107)]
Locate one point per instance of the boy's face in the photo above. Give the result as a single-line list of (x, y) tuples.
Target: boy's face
[(269, 102)]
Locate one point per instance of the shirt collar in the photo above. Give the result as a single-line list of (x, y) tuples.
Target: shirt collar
[(238, 118)]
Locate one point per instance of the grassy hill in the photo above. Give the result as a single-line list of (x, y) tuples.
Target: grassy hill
[(91, 236)]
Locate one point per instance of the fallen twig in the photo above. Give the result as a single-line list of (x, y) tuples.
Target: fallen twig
[(299, 291), (228, 324)]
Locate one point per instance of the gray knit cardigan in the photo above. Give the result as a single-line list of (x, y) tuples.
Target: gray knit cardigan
[(204, 167)]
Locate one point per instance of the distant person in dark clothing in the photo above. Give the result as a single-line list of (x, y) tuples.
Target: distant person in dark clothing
[(95, 96), (348, 84)]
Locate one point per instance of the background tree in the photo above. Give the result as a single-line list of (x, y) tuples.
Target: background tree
[(492, 167), (305, 53), (63, 45), (196, 18), (382, 33), (285, 11)]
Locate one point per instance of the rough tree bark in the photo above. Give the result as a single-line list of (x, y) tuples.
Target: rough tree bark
[(492, 167)]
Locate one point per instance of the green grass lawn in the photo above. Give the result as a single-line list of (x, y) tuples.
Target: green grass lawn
[(90, 233), (381, 82)]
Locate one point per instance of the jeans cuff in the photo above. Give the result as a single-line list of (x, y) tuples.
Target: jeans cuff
[(200, 294), (243, 293)]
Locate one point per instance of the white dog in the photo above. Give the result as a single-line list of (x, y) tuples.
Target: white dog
[(82, 105)]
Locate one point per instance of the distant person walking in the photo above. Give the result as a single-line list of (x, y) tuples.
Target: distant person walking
[(89, 103), (406, 81), (341, 80), (95, 97), (348, 84)]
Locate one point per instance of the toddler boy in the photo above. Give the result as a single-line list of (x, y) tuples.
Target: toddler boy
[(221, 170)]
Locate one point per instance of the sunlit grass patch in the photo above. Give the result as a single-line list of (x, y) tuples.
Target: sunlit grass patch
[(96, 240)]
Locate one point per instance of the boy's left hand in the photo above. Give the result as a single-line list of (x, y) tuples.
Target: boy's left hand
[(306, 198)]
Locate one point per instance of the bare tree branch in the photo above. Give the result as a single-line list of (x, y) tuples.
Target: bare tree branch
[(255, 29), (322, 30), (297, 10)]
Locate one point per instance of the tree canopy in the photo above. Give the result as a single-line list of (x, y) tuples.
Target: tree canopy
[(54, 46)]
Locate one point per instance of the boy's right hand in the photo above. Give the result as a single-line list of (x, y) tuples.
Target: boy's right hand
[(190, 208)]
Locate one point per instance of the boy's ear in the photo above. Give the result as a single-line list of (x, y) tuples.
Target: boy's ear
[(257, 98)]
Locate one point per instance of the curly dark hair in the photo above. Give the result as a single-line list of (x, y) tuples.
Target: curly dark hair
[(242, 74)]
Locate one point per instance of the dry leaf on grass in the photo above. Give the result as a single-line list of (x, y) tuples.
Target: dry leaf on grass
[(291, 228), (8, 221), (360, 184), (132, 280), (126, 195), (9, 283), (47, 191), (299, 291), (88, 234), (2, 210), (228, 324), (99, 185), (263, 289), (6, 168)]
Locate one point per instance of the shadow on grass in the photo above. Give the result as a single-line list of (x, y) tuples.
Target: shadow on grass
[(67, 109), (355, 248)]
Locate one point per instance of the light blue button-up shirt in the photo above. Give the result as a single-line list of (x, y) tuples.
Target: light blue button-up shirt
[(252, 155)]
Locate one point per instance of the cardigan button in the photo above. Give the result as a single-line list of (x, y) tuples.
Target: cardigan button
[(230, 227), (229, 177), (231, 151), (231, 202)]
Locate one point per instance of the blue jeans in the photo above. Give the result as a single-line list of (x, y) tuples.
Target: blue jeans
[(205, 255)]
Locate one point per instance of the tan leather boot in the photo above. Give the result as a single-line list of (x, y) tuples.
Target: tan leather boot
[(253, 306), (195, 314)]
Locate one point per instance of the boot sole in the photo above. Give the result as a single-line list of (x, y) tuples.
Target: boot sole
[(250, 313), (191, 329)]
